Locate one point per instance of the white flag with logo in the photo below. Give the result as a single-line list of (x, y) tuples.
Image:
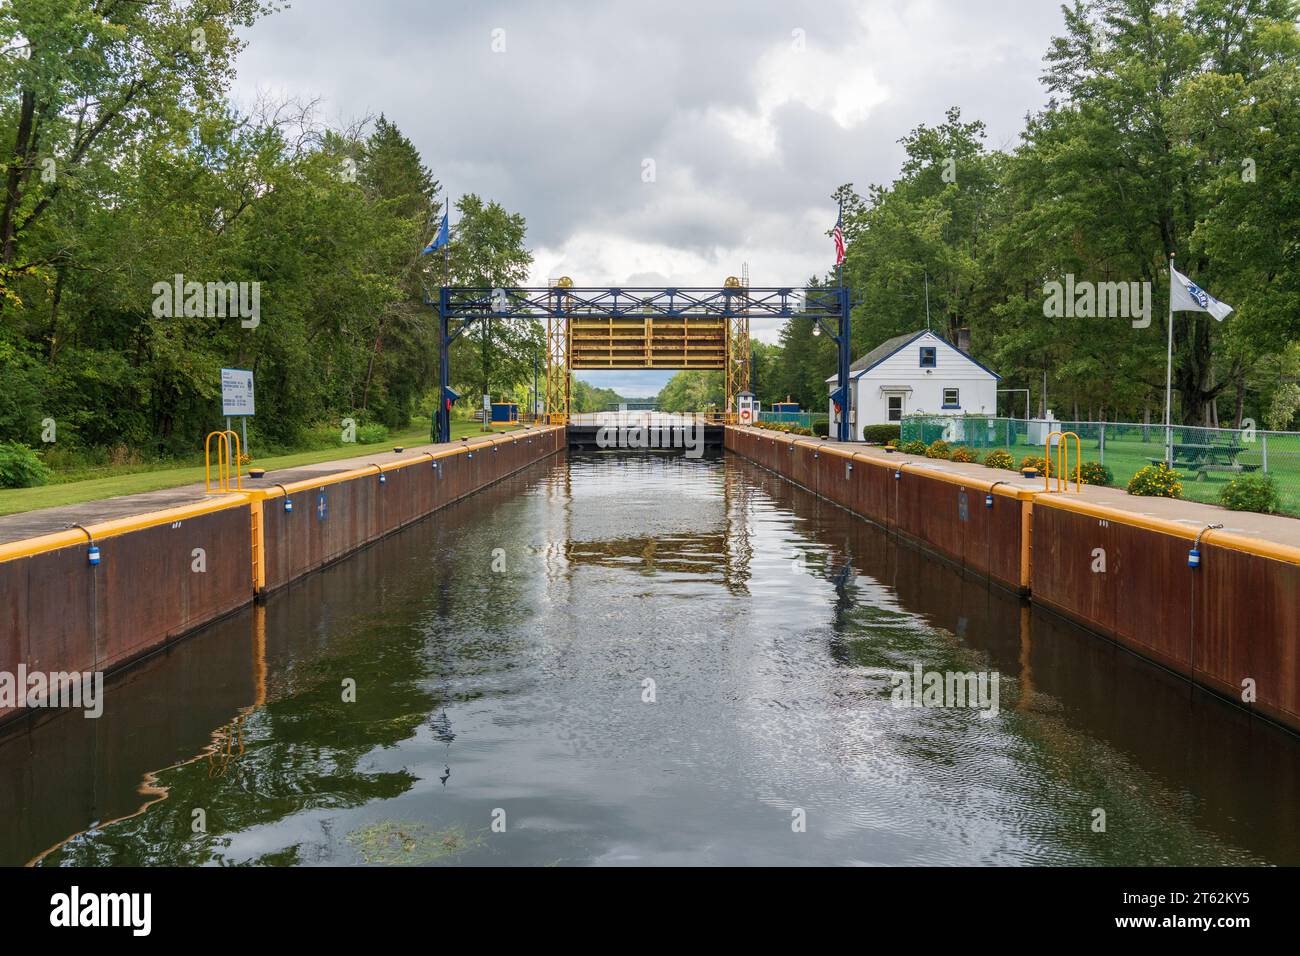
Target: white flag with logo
[(1186, 296)]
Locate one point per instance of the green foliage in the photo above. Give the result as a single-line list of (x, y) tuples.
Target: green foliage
[(1095, 473), (1156, 481), (821, 429), (21, 467), (371, 434), (938, 449), (1252, 492), (765, 360), (692, 391), (1284, 407), (488, 251), (163, 177), (965, 455), (1169, 128), (915, 447), (805, 361), (880, 434), (784, 427), (1000, 458)]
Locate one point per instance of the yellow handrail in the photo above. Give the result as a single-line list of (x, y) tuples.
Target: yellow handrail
[(224, 439), (1063, 463)]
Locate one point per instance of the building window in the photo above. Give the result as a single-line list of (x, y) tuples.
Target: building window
[(929, 356), (951, 398), (895, 408)]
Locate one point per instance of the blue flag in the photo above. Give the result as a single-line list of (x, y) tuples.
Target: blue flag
[(441, 239)]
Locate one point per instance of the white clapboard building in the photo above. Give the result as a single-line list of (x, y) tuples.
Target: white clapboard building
[(919, 373)]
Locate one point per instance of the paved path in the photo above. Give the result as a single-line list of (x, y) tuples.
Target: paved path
[(30, 524), (1276, 528)]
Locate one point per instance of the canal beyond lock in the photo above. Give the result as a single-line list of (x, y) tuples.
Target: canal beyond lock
[(645, 659)]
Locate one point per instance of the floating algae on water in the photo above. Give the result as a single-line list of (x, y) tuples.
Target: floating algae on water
[(406, 843)]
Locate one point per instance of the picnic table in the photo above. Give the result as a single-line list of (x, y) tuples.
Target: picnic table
[(1200, 458)]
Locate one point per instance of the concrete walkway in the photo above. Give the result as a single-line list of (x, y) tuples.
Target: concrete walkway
[(31, 524), (1276, 528)]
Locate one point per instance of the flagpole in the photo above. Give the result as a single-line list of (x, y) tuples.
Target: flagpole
[(839, 221), (446, 248), (842, 338), (1169, 372)]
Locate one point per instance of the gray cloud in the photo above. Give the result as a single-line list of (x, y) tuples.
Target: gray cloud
[(748, 135)]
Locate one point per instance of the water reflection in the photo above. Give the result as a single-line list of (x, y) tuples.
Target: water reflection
[(769, 622)]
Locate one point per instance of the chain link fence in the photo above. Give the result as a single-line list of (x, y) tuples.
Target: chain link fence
[(800, 419), (1206, 458)]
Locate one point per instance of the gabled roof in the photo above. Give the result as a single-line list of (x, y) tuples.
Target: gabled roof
[(890, 347), (883, 351)]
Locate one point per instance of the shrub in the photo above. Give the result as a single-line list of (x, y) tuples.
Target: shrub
[(963, 454), (821, 429), (892, 443), (784, 427), (371, 434), (882, 434), (1253, 492), (915, 447), (1156, 481), (938, 449), (1095, 473), (1000, 458), (21, 467), (1033, 461)]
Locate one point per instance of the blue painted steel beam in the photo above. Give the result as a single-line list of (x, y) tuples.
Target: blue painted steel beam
[(640, 303)]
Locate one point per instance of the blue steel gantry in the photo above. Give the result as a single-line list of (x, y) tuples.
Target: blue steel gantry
[(625, 327)]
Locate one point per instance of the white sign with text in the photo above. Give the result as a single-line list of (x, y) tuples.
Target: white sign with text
[(236, 392)]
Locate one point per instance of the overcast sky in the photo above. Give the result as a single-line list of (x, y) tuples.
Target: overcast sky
[(751, 112)]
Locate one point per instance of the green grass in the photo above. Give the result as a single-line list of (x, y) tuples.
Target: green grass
[(133, 479), (1127, 454), (1125, 458)]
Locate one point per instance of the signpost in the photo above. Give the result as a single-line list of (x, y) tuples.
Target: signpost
[(237, 398)]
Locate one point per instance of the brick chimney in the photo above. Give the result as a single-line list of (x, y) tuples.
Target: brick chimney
[(963, 339)]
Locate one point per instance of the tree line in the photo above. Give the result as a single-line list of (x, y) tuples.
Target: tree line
[(129, 172), (1172, 127)]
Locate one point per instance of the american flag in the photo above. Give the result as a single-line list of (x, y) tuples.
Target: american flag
[(839, 244)]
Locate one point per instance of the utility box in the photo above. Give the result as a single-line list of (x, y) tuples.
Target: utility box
[(784, 412), (1040, 428), (505, 413)]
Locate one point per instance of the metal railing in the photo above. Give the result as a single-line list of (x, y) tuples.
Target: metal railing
[(1205, 458), (229, 462)]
